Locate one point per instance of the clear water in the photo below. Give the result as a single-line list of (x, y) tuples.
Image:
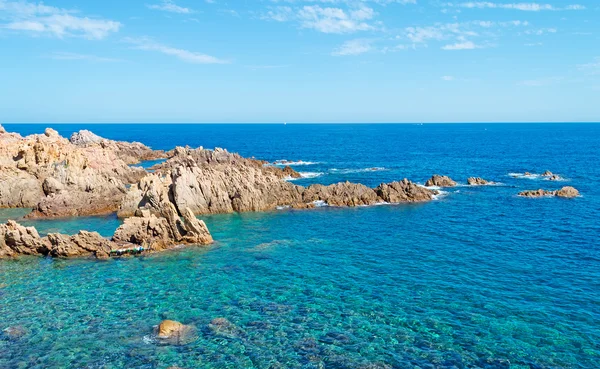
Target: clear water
[(478, 279)]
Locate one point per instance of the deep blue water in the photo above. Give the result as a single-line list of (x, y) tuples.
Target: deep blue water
[(477, 279)]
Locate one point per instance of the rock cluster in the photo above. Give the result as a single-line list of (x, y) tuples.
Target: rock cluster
[(440, 181), (147, 231), (565, 192)]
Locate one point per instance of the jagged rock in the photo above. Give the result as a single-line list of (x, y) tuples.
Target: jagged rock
[(55, 176), (161, 233), (404, 191), (82, 244), (174, 333), (291, 173), (477, 181), (85, 137), (148, 193), (2, 130), (440, 181), (567, 192), (341, 194), (547, 174), (18, 240)]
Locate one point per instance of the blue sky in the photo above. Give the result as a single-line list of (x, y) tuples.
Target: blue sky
[(299, 61)]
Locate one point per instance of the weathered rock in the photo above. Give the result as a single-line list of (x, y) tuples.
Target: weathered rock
[(59, 178), (82, 244), (18, 240), (567, 192), (477, 181), (161, 233), (2, 130), (440, 181), (341, 194), (554, 177), (291, 173), (14, 333), (547, 174), (404, 191)]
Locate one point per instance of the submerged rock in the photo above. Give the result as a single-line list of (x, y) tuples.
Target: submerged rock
[(225, 328), (440, 181), (14, 333), (174, 333)]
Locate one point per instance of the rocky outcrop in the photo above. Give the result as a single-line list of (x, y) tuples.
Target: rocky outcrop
[(477, 181), (440, 181), (129, 152), (341, 194), (59, 178), (145, 232), (565, 192), (164, 232), (404, 191)]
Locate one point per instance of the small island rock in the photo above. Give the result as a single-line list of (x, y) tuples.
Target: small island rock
[(440, 181)]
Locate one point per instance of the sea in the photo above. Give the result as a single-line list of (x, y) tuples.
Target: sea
[(478, 278)]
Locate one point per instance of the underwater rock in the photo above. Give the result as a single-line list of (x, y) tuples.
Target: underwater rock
[(477, 181), (440, 181), (14, 333), (224, 328), (174, 333)]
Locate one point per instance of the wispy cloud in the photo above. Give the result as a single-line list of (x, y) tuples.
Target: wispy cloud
[(170, 6), (448, 78), (465, 45), (148, 44), (353, 47), (86, 57), (40, 19), (325, 19), (531, 7), (591, 68)]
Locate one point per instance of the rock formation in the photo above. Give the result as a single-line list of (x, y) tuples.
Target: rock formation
[(174, 333), (404, 191), (477, 181), (440, 181), (565, 192), (59, 178), (147, 231)]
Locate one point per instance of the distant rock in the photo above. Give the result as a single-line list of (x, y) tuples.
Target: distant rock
[(547, 174), (440, 181), (477, 181), (565, 192), (224, 328), (291, 173), (404, 191)]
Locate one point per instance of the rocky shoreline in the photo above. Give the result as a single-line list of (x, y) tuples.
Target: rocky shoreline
[(89, 175)]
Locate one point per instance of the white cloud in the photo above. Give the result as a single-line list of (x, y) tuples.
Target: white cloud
[(38, 19), (465, 45), (182, 54), (170, 6), (448, 78), (325, 19), (532, 7), (353, 47)]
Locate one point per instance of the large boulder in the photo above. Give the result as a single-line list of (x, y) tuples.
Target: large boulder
[(477, 181), (440, 181), (18, 240), (174, 333)]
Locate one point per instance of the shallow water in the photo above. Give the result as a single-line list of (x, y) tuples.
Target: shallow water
[(477, 279)]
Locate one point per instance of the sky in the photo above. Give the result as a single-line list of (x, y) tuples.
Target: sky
[(299, 61)]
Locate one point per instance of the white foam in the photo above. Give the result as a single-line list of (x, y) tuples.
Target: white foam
[(535, 176), (320, 203), (304, 175), (283, 207), (284, 162), (440, 195), (360, 170), (149, 340)]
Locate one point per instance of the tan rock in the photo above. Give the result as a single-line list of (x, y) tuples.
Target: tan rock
[(477, 181), (83, 244), (341, 194), (403, 192), (174, 333), (440, 181), (567, 192), (536, 193), (18, 240)]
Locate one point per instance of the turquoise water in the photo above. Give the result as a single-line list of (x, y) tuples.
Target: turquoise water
[(478, 279)]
